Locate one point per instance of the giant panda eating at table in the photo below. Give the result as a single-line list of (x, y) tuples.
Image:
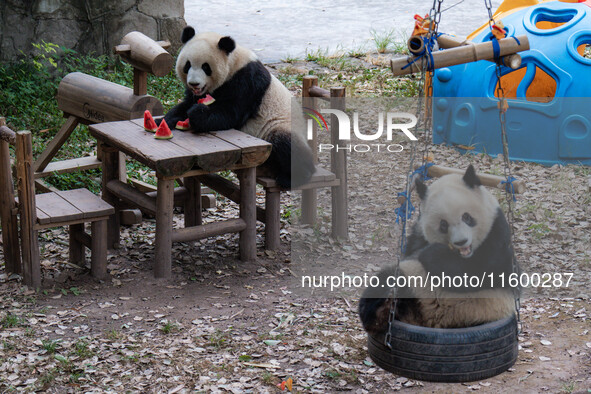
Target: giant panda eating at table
[(461, 230), (246, 97)]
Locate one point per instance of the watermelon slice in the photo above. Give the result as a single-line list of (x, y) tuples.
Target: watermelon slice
[(183, 125), (163, 132), (149, 124), (207, 100)]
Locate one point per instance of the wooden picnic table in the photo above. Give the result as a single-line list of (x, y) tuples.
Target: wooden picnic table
[(187, 156)]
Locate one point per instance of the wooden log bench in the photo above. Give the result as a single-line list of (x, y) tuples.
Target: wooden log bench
[(71, 208)]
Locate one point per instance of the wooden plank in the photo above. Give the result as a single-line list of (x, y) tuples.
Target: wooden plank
[(55, 144), (164, 208), (165, 157), (8, 220), (28, 214), (208, 230), (254, 150), (320, 176), (217, 150), (248, 245), (436, 171), (90, 205), (135, 197), (57, 209), (67, 166), (211, 153)]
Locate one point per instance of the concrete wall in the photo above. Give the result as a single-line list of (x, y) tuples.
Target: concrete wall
[(86, 25)]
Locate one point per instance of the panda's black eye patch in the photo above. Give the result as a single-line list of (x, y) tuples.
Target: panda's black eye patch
[(443, 226), (187, 67), (206, 69), (468, 219)]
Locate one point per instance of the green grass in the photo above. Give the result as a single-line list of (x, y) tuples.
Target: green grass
[(383, 39), (10, 320), (49, 345)]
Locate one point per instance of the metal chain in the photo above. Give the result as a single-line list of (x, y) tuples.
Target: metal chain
[(503, 105), (424, 120)]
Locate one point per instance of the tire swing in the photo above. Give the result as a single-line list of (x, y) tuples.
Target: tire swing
[(448, 354)]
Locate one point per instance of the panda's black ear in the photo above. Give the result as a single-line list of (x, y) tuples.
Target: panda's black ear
[(471, 178), (188, 33), (421, 188), (227, 44)]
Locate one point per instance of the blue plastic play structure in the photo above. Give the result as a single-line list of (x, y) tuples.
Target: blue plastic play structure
[(549, 115)]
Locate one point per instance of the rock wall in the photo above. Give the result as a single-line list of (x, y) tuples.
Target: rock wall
[(86, 25)]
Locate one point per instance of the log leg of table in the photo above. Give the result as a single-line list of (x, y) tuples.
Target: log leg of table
[(272, 219), (164, 208), (111, 172), (248, 246), (193, 202), (98, 262), (76, 247)]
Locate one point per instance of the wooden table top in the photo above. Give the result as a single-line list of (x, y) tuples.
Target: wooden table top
[(186, 151)]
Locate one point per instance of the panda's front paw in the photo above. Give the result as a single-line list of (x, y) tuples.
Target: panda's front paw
[(374, 313), (197, 110)]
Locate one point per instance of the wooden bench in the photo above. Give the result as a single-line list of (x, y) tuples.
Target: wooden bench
[(73, 208), (336, 178)]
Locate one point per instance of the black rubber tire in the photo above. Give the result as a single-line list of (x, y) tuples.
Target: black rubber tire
[(447, 354)]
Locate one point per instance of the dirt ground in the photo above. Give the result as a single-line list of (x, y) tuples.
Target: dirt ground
[(222, 325)]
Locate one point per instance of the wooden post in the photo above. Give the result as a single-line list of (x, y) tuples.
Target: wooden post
[(111, 172), (193, 202), (77, 255), (309, 196), (163, 241), (28, 213), (140, 82), (8, 219), (98, 262), (145, 54), (273, 218), (462, 54), (247, 178), (340, 220)]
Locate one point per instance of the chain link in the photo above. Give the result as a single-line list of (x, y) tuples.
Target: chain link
[(503, 105), (424, 125)]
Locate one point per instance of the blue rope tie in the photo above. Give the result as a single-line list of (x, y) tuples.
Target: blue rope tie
[(429, 44), (509, 186), (401, 212), (496, 49), (423, 172)]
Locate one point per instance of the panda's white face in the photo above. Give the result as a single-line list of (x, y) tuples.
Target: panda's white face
[(457, 215), (207, 60)]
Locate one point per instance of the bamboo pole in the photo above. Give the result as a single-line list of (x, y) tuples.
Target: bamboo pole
[(462, 54), (436, 171)]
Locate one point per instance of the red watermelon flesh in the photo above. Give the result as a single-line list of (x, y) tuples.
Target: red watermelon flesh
[(206, 100), (163, 132), (149, 124), (183, 124)]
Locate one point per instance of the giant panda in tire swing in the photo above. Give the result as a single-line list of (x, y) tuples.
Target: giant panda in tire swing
[(461, 230), (247, 98)]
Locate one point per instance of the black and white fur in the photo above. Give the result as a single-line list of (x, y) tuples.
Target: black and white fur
[(247, 98), (461, 230)]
